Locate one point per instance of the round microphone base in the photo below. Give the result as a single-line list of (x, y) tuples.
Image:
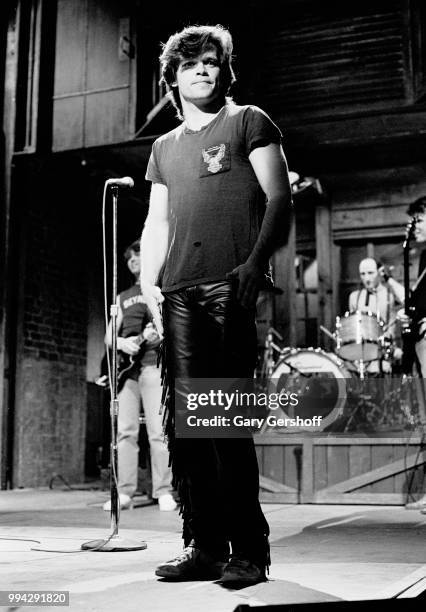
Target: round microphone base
[(114, 544)]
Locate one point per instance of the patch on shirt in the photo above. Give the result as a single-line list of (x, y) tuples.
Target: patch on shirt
[(215, 159)]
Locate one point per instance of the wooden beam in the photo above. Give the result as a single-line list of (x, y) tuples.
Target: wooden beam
[(323, 241), (280, 439), (385, 499), (327, 440), (376, 441), (373, 476), (278, 498), (307, 471), (336, 279), (274, 486), (6, 352), (285, 279), (400, 123)]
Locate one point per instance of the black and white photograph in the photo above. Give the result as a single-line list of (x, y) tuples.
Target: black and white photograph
[(213, 305)]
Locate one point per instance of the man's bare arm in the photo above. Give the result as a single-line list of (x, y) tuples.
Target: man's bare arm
[(154, 245), (398, 290), (270, 166)]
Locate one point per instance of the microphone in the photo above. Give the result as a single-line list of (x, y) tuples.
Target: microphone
[(409, 231), (126, 181), (411, 225)]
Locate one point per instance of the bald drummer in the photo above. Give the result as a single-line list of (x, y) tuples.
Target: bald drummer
[(380, 294)]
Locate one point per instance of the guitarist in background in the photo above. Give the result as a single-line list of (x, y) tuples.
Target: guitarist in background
[(140, 380), (417, 321), (418, 293)]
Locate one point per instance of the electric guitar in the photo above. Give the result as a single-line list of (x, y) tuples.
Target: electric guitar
[(408, 335), (125, 364)]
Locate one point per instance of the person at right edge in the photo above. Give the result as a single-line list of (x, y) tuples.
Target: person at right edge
[(417, 209), (220, 206)]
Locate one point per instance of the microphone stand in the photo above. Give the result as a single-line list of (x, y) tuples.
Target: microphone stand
[(114, 542)]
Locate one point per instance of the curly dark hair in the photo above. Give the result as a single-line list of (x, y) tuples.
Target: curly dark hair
[(191, 42), (417, 207), (135, 247)]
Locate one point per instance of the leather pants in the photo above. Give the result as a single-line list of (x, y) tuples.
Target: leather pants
[(209, 335)]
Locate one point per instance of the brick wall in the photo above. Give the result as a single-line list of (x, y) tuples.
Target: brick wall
[(55, 316), (54, 246)]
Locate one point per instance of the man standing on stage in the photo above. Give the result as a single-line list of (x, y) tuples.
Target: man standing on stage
[(139, 341), (417, 209), (418, 293), (211, 236)]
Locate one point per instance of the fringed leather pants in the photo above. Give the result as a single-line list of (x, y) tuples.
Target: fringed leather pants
[(208, 334)]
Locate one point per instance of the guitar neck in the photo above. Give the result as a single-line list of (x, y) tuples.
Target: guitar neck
[(407, 290)]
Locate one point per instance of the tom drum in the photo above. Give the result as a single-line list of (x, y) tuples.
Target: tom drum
[(358, 336)]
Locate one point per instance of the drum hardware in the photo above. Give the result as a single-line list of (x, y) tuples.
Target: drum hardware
[(382, 402), (273, 332), (269, 361), (389, 325), (328, 333), (364, 401)]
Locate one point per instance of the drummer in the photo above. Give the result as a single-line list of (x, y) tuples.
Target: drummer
[(380, 294)]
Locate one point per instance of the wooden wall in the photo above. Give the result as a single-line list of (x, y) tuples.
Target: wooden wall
[(340, 469), (94, 85), (328, 58)]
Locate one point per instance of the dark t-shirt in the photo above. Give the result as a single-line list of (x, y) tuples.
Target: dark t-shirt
[(135, 318), (216, 204)]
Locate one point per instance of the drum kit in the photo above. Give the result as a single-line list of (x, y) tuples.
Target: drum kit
[(334, 385)]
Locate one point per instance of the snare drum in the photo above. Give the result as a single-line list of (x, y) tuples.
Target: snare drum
[(320, 381), (358, 336)]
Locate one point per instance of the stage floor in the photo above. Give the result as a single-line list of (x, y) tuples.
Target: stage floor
[(319, 553)]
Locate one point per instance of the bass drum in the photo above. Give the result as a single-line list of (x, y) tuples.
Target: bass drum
[(320, 381)]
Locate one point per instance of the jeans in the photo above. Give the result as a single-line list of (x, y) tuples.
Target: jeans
[(147, 388)]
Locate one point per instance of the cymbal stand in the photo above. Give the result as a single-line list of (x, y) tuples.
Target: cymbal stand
[(269, 361), (328, 333)]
